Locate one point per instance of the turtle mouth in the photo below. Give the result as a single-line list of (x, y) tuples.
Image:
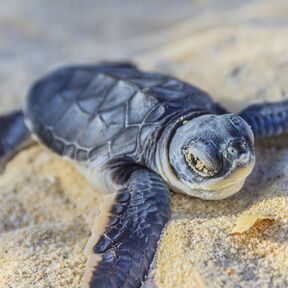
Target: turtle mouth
[(199, 166)]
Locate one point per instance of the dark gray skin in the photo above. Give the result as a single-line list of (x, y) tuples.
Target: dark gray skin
[(136, 134)]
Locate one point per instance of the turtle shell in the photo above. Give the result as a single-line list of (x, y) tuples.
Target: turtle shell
[(98, 112)]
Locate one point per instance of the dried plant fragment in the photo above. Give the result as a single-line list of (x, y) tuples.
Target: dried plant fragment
[(246, 221)]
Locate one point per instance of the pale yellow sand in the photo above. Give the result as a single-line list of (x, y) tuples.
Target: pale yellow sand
[(46, 206)]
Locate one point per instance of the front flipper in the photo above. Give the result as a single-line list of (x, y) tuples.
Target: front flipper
[(267, 119), (13, 133), (121, 256)]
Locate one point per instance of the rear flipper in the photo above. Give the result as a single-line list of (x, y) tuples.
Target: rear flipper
[(13, 134), (124, 240), (267, 119)]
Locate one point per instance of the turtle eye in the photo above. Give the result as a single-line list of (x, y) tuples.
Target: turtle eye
[(197, 164)]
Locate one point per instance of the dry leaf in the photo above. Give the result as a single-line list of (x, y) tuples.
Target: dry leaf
[(246, 221)]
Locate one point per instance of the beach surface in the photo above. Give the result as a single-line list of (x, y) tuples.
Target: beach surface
[(235, 50)]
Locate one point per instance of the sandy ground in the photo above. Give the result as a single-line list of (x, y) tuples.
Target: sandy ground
[(237, 51)]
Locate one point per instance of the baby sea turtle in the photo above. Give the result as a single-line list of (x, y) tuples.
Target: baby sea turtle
[(136, 135)]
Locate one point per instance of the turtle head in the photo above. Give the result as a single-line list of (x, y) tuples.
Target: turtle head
[(211, 156)]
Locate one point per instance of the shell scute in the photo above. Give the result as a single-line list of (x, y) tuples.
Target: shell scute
[(89, 105), (81, 155), (97, 86), (67, 129), (102, 127), (99, 150), (121, 92), (125, 141), (142, 101)]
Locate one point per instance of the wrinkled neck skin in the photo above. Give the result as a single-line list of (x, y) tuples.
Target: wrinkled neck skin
[(214, 188)]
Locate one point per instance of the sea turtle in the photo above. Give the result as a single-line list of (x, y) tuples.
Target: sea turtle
[(136, 135)]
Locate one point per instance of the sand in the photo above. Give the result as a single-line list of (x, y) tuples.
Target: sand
[(239, 54)]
